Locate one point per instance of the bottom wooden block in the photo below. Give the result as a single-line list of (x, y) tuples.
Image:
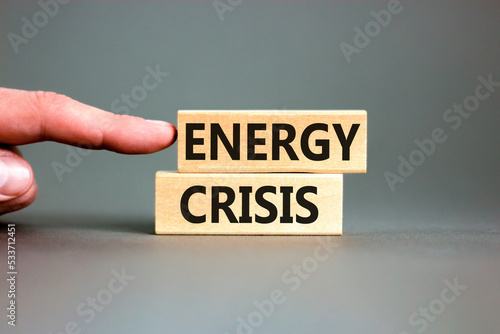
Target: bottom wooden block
[(309, 204)]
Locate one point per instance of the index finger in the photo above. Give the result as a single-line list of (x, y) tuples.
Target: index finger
[(29, 117)]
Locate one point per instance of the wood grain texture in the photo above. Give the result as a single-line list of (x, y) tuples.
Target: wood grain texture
[(171, 186), (277, 124)]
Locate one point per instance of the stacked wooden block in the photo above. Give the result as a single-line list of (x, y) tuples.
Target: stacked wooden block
[(260, 172)]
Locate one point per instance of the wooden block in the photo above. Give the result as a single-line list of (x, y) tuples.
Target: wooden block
[(257, 141), (248, 203)]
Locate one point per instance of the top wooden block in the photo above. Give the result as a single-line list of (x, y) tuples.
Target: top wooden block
[(263, 141)]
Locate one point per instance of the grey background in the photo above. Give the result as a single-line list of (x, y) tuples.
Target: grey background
[(398, 247)]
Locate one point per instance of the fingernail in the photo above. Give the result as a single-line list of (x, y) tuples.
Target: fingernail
[(15, 178), (162, 123)]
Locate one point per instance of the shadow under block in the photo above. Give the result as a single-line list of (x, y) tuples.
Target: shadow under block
[(263, 141), (255, 204)]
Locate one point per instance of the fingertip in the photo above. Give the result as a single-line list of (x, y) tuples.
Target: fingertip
[(173, 134), (168, 132), (134, 135)]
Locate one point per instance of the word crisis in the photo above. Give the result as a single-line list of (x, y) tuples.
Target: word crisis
[(281, 195)]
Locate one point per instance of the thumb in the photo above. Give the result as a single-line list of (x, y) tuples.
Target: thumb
[(17, 184)]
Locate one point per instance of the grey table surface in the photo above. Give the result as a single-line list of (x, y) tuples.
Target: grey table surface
[(378, 277)]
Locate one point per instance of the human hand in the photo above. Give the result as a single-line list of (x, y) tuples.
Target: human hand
[(30, 117)]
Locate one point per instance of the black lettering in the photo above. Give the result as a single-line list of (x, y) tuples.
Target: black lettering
[(191, 141), (216, 132), (245, 204), (217, 205), (346, 143), (259, 198), (185, 204), (323, 143), (252, 141), (313, 209), (285, 143), (286, 218)]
